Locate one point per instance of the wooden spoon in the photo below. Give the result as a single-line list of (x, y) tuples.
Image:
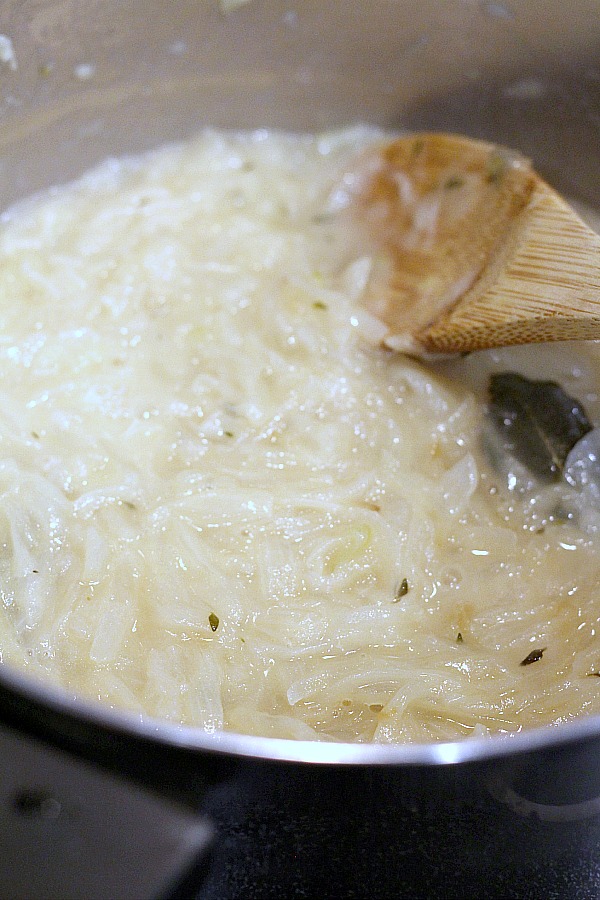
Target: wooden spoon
[(476, 250)]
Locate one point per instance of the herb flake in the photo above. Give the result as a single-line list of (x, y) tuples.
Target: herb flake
[(496, 167), (532, 657), (213, 621), (403, 589)]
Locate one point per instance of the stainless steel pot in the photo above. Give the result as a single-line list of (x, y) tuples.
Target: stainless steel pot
[(80, 807)]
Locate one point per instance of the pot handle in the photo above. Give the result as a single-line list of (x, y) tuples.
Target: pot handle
[(71, 830), (90, 810)]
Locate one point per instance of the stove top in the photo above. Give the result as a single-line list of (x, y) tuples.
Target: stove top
[(323, 834)]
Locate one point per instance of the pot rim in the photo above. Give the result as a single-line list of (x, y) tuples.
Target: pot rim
[(286, 750)]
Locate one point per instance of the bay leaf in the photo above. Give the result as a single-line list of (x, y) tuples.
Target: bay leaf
[(537, 421)]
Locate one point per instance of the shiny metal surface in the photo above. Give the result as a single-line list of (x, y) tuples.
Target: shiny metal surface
[(93, 78)]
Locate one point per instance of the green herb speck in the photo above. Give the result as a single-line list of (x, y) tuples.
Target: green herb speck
[(532, 657), (496, 167), (459, 638), (455, 181), (318, 304), (213, 621), (402, 589)]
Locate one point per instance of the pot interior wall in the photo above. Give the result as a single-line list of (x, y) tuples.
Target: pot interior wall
[(80, 81)]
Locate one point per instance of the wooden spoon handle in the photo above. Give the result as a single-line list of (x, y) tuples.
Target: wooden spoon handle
[(543, 284)]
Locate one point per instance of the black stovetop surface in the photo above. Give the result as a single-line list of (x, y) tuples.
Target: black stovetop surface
[(329, 835)]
